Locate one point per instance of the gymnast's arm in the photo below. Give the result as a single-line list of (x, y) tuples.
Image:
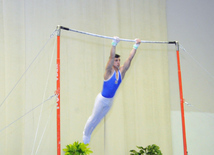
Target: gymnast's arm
[(109, 69), (127, 63)]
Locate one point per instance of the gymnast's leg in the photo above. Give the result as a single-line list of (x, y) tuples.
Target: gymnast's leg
[(101, 107)]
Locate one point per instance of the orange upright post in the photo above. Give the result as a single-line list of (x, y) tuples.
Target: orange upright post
[(58, 93), (181, 101)]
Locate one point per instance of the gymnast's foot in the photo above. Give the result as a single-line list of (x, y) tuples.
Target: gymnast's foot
[(86, 139)]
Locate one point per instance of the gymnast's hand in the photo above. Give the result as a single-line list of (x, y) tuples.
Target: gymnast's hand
[(137, 43), (115, 41)]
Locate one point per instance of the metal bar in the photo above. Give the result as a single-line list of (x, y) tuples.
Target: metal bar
[(121, 39), (58, 94), (181, 102)]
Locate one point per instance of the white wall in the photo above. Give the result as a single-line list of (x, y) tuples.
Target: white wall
[(191, 23), (141, 111)]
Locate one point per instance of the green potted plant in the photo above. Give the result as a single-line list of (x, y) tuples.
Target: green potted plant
[(149, 150), (77, 149)]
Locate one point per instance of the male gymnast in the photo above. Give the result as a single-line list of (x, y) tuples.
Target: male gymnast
[(114, 73)]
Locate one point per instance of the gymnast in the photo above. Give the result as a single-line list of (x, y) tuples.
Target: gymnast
[(114, 73)]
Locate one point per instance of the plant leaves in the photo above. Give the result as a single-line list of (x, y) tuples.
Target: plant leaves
[(139, 147), (77, 148), (149, 150), (133, 151)]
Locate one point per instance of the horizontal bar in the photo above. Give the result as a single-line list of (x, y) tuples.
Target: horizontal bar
[(127, 40)]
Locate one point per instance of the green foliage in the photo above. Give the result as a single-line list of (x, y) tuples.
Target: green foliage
[(149, 150), (77, 149)]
